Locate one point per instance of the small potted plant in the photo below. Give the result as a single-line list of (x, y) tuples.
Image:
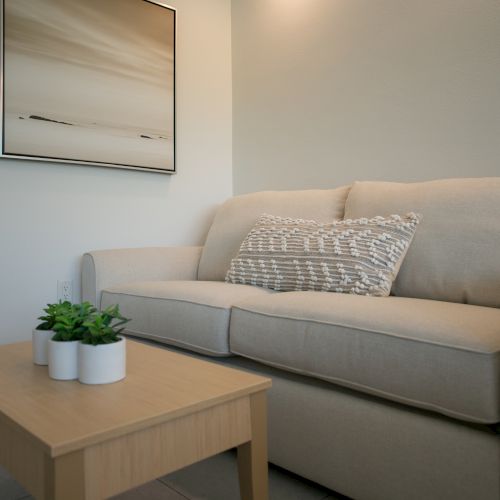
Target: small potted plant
[(63, 347), (45, 330), (102, 353)]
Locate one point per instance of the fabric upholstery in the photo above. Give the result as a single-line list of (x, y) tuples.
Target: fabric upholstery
[(360, 256), (430, 354), (455, 253), (105, 268), (237, 215), (369, 450), (191, 314), (372, 449)]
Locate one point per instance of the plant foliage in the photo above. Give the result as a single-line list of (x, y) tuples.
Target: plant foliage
[(52, 311), (104, 327), (70, 322)]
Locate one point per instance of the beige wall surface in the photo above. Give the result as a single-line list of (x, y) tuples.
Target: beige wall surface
[(50, 214), (329, 91)]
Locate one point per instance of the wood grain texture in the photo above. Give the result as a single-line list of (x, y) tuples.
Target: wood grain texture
[(65, 477), (62, 417), (128, 461), (25, 461), (252, 456), (65, 440)]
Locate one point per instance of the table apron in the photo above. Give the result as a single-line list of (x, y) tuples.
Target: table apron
[(116, 465)]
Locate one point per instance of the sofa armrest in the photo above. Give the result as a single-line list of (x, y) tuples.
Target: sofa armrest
[(104, 268)]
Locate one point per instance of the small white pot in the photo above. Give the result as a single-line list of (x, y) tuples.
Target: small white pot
[(102, 364), (63, 359), (40, 344)]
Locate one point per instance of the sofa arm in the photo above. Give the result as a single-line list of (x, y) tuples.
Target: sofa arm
[(104, 268)]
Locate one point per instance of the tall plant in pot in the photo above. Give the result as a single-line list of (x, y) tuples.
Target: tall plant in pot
[(102, 351), (45, 330), (63, 347)]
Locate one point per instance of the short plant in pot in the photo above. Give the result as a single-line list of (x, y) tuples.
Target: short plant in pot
[(45, 330), (63, 347), (102, 352)]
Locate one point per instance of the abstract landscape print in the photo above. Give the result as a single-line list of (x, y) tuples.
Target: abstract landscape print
[(90, 81)]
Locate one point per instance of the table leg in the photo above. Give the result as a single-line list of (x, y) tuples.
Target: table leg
[(65, 477), (252, 456)]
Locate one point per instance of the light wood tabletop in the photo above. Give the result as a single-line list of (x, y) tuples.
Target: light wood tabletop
[(66, 440)]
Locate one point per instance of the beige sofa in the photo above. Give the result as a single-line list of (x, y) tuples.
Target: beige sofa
[(376, 398)]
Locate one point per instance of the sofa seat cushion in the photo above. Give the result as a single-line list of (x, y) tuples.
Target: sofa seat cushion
[(435, 355), (190, 314)]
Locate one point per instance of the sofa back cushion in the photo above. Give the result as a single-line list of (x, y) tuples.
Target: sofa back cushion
[(237, 216), (455, 255)]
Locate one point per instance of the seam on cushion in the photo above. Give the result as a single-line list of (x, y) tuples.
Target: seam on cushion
[(166, 298), (370, 390), (378, 332), (193, 347)]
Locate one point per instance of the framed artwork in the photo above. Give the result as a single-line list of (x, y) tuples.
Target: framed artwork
[(89, 82)]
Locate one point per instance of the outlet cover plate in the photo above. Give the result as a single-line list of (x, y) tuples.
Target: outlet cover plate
[(65, 291)]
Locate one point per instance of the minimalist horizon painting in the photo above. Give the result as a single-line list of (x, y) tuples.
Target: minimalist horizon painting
[(89, 82)]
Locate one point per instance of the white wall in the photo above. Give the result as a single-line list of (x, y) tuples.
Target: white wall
[(50, 214), (328, 91)]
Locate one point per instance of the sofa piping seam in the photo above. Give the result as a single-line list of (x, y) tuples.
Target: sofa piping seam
[(167, 298), (178, 343), (378, 332), (368, 390)]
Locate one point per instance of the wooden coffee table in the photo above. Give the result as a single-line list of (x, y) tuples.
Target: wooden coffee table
[(69, 441)]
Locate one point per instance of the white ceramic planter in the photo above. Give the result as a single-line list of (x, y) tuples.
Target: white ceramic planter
[(40, 345), (63, 360), (102, 364)]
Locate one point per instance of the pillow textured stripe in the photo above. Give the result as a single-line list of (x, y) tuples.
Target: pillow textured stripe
[(359, 256)]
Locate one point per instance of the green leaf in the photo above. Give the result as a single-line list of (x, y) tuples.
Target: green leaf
[(102, 327)]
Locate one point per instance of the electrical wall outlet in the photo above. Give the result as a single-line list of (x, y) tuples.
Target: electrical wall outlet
[(65, 291)]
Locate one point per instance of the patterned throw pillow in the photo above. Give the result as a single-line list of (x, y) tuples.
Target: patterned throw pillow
[(359, 256)]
